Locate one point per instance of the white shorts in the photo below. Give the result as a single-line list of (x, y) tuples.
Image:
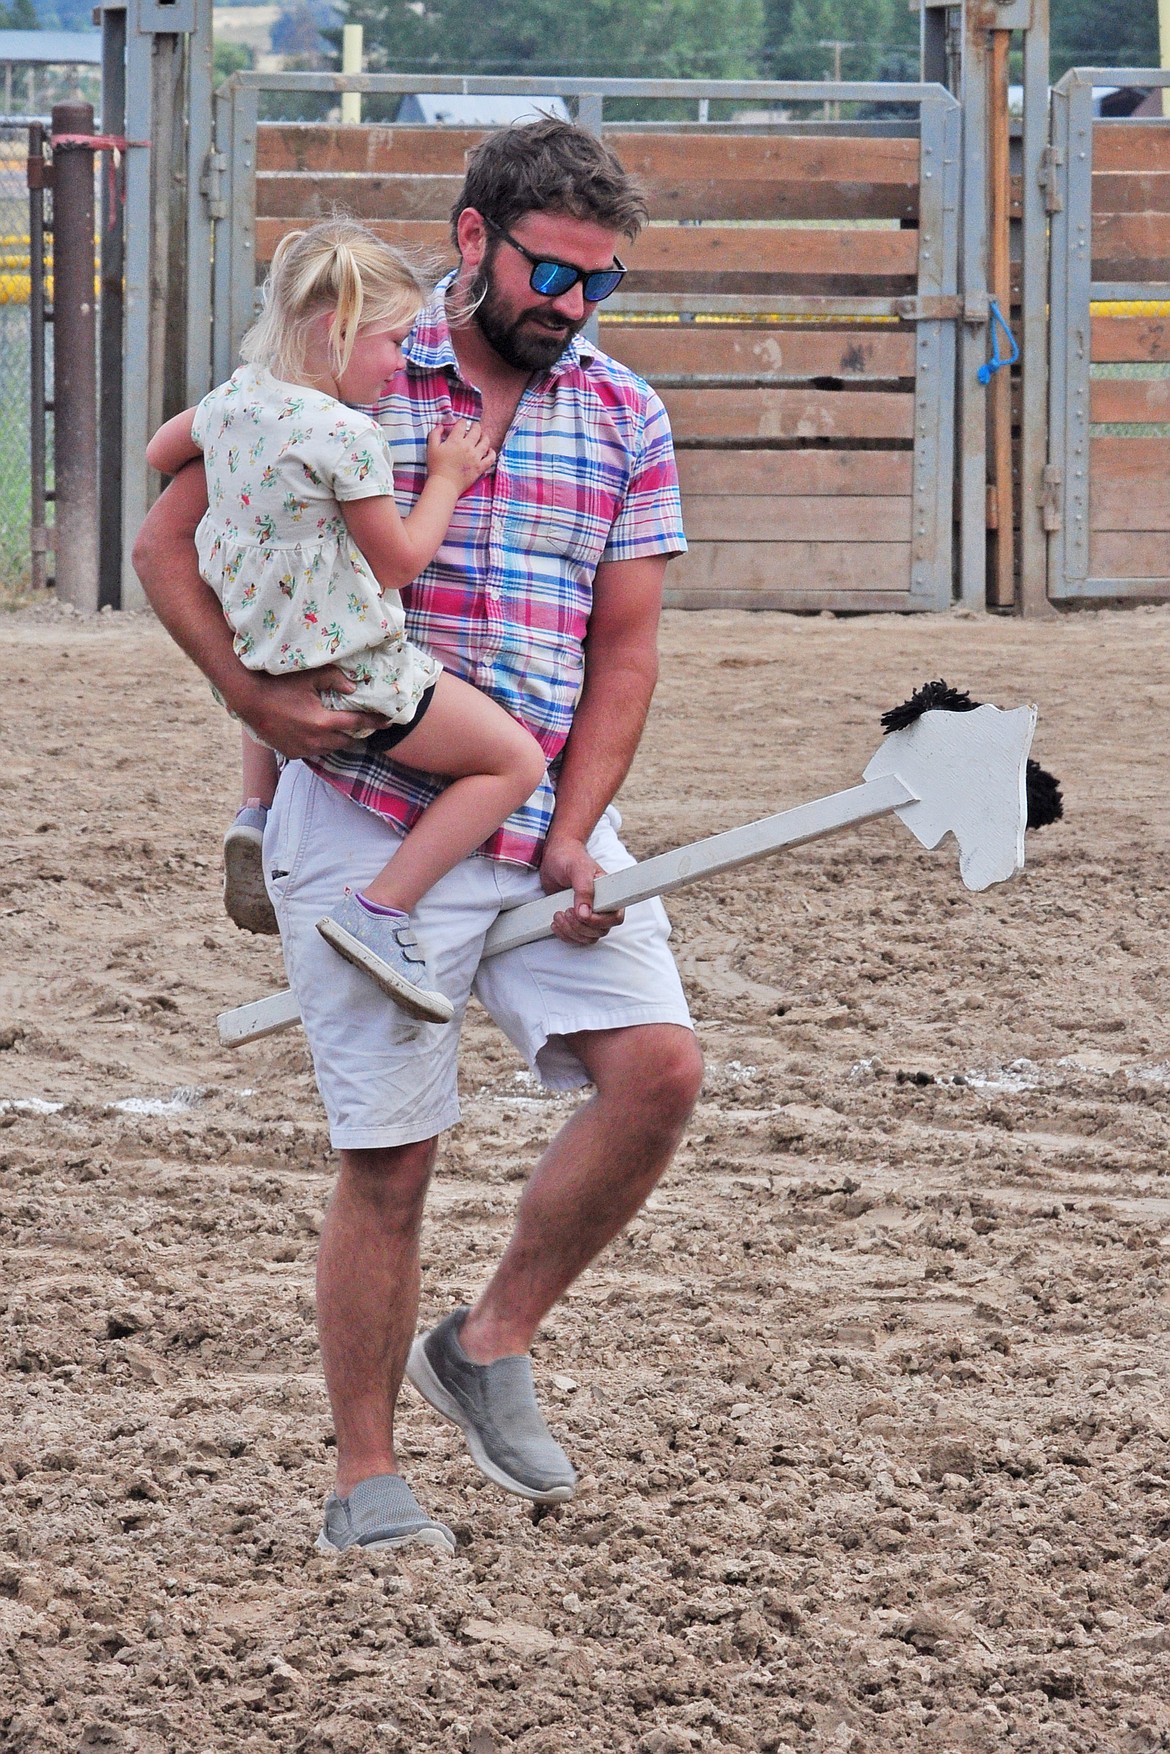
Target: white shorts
[(386, 1080)]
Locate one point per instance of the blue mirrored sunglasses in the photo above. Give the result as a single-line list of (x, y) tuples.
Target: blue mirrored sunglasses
[(551, 279)]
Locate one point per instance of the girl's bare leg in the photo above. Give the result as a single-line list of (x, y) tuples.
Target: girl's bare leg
[(258, 770), (495, 764)]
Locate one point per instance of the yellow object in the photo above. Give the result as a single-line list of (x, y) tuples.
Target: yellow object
[(351, 62)]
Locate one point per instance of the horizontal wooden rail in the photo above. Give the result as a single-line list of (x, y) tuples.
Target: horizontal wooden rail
[(790, 414), (807, 353), (831, 474), (683, 253), (806, 568), (1136, 554), (1145, 400), (796, 518), (1130, 339)]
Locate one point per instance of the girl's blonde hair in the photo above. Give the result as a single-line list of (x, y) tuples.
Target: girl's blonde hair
[(338, 268)]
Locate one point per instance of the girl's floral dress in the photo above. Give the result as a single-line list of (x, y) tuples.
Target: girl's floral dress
[(273, 544)]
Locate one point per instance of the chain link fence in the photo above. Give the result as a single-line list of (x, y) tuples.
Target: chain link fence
[(15, 338)]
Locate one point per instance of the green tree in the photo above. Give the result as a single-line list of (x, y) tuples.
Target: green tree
[(663, 38), (1086, 33), (20, 15), (229, 58), (869, 31)]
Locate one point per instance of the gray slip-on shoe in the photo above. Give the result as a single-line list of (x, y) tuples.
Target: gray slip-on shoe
[(245, 897), (494, 1406), (379, 1513)]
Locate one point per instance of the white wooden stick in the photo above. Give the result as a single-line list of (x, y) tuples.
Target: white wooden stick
[(706, 858), (657, 876), (947, 773)]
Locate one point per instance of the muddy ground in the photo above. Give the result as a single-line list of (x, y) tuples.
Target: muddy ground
[(870, 1405)]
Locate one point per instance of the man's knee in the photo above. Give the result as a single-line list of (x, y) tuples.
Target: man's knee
[(655, 1071), (678, 1074), (391, 1178)]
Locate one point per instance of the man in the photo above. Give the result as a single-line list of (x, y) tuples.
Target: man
[(546, 595)]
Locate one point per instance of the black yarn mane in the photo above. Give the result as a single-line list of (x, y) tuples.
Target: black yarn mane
[(1045, 801)]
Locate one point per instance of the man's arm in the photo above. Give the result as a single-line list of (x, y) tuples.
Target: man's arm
[(285, 710), (621, 669)]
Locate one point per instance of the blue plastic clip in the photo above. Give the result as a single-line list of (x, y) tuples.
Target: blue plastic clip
[(988, 370)]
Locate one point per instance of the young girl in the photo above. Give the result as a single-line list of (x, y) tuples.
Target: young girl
[(305, 548)]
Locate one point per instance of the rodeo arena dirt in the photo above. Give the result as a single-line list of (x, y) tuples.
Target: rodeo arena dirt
[(869, 1403)]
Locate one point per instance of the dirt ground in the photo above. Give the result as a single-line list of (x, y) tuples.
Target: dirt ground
[(869, 1405)]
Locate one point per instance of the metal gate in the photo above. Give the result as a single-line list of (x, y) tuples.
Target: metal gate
[(1105, 496), (805, 348)]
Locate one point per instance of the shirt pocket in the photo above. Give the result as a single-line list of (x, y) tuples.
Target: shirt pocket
[(561, 516)]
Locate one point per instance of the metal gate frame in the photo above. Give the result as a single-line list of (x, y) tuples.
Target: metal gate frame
[(1073, 291), (229, 186)]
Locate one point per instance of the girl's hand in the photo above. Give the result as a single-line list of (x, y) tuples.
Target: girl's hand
[(460, 454)]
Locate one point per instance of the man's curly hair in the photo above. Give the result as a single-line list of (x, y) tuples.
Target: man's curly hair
[(550, 166)]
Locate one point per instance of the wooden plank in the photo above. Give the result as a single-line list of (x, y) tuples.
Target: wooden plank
[(428, 195), (796, 472), (684, 197), (790, 414), (793, 601), (664, 159), (1126, 146), (1139, 191), (1129, 399), (660, 157), (1123, 503), (693, 254), (298, 196), (775, 250), (1119, 339), (1131, 246), (313, 146), (1129, 554), (795, 518), (847, 353), (427, 239), (1112, 457), (807, 567)]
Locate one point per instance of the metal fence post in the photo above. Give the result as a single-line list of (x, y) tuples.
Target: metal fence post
[(1037, 194), (111, 313), (74, 361), (38, 536)]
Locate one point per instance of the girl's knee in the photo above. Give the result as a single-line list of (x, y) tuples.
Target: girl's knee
[(527, 762)]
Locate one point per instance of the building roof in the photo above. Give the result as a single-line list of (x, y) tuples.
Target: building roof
[(52, 48), (459, 110)]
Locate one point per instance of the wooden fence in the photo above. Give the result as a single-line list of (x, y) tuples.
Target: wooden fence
[(796, 433), (1110, 438)]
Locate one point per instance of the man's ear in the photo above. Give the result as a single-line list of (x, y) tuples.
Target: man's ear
[(472, 236)]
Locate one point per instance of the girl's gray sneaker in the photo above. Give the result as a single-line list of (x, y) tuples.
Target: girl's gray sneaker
[(380, 1512), (385, 948), (245, 897)]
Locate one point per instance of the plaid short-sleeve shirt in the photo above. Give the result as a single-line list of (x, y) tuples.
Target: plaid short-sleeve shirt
[(586, 474)]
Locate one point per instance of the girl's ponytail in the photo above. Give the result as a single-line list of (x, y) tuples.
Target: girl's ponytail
[(337, 269), (350, 300)]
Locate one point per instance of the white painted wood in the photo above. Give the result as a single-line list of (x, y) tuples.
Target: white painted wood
[(948, 773), (968, 774), (706, 858), (262, 1017)]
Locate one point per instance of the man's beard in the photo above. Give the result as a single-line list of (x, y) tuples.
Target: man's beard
[(527, 342)]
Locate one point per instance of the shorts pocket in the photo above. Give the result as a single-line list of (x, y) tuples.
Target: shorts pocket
[(289, 824)]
